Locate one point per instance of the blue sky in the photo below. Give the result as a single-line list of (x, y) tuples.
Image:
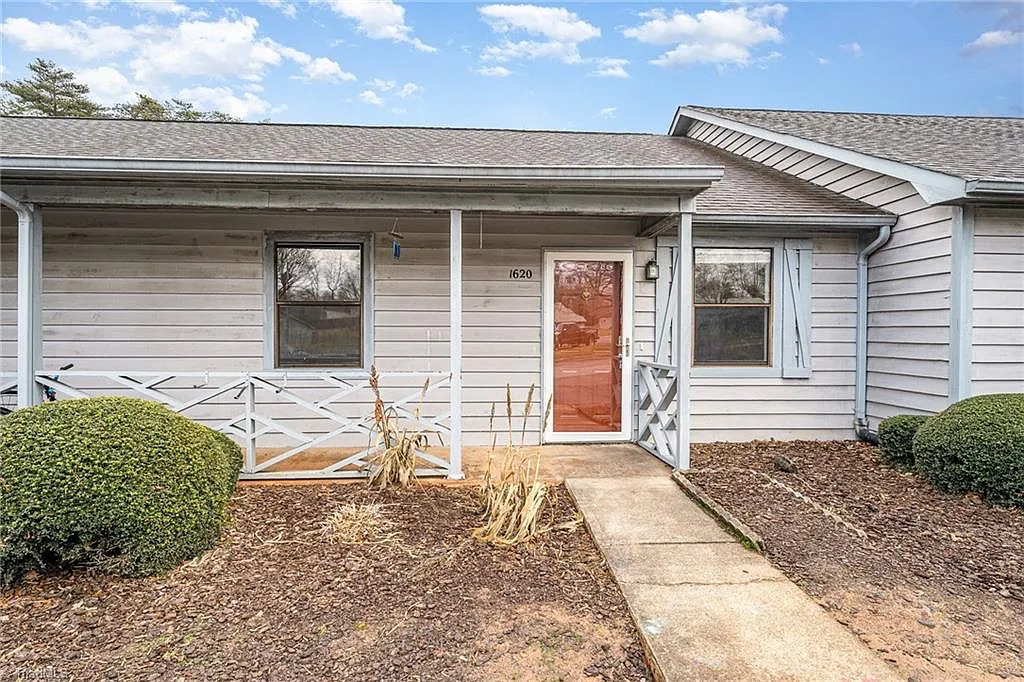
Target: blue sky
[(594, 66)]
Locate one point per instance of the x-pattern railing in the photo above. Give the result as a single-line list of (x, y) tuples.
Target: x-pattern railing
[(656, 409), (254, 418)]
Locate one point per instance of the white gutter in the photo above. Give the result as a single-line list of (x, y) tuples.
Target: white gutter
[(641, 176), (861, 372), (934, 187), (995, 189), (830, 220)]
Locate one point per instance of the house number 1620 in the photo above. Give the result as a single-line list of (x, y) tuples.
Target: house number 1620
[(520, 273)]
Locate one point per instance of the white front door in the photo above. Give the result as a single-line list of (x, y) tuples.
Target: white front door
[(588, 330)]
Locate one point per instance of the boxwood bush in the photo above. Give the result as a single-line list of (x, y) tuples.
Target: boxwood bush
[(896, 436), (976, 445), (120, 483)]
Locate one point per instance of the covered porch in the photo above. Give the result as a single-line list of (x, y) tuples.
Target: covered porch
[(167, 325)]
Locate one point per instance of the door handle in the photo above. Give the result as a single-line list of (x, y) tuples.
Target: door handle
[(623, 347)]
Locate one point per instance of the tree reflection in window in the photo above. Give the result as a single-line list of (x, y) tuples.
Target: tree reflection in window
[(732, 306), (318, 305)]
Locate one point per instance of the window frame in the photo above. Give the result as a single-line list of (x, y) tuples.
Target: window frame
[(270, 303), (775, 331)]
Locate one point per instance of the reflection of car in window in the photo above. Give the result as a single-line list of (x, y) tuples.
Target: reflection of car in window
[(574, 334)]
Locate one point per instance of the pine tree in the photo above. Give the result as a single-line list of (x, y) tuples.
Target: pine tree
[(51, 91), (145, 108), (149, 108)]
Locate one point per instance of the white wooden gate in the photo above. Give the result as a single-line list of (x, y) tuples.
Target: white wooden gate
[(656, 409)]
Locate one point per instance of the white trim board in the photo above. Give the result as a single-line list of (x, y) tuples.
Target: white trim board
[(548, 353)]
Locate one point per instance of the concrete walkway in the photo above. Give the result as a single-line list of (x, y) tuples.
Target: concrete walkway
[(709, 609)]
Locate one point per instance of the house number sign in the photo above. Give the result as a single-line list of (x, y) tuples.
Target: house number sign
[(520, 273)]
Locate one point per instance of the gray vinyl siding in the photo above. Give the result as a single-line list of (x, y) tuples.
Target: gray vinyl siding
[(819, 407), (909, 281), (162, 291), (998, 302)]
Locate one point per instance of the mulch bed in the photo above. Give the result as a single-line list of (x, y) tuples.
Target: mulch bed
[(933, 582), (277, 601)]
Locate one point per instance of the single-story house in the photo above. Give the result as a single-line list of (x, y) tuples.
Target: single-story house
[(837, 268)]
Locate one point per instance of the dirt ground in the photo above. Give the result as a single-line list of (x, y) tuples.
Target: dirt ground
[(279, 601), (933, 582)]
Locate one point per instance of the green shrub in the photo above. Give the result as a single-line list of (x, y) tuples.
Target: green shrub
[(896, 436), (976, 445), (120, 483)]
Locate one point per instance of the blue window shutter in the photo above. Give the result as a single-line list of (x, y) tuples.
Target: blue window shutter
[(797, 263)]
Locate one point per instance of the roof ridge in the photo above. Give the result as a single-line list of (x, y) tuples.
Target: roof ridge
[(702, 107), (272, 124)]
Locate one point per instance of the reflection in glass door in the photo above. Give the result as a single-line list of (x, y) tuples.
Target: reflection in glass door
[(588, 345)]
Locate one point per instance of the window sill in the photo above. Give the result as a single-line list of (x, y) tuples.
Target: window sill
[(736, 372), (337, 371)]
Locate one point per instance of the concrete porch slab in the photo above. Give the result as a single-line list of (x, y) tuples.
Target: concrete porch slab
[(707, 608)]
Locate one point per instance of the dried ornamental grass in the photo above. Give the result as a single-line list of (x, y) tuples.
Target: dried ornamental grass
[(514, 499), (395, 464), (354, 524)]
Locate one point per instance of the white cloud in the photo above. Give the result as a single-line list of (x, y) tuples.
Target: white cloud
[(154, 6), (532, 49), (108, 85), (611, 67), (853, 48), (160, 6), (371, 97), (608, 112), (554, 23), (493, 71), (823, 61), (223, 48), (324, 69), (286, 8), (86, 41), (379, 19), (382, 85), (722, 37), (559, 31), (155, 58), (993, 39), (224, 99), (409, 89), (380, 91)]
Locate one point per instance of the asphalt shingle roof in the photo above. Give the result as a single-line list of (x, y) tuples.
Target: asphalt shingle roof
[(747, 188), (970, 147)]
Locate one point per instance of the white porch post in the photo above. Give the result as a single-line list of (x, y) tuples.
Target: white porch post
[(30, 285), (455, 331), (682, 280)]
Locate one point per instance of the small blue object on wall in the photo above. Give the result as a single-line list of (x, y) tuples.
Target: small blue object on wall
[(396, 249)]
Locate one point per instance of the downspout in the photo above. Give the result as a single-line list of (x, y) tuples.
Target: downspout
[(860, 423), (24, 212)]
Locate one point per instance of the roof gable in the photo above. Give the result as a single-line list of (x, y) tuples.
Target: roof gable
[(970, 147), (947, 158)]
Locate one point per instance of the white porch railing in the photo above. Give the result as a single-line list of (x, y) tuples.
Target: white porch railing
[(656, 410), (298, 411)]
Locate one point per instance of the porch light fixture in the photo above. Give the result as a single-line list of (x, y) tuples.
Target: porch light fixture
[(651, 270)]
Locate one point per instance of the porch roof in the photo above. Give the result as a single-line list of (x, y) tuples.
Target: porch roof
[(37, 147)]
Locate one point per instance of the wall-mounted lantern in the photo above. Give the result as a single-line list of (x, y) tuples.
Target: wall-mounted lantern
[(651, 270)]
